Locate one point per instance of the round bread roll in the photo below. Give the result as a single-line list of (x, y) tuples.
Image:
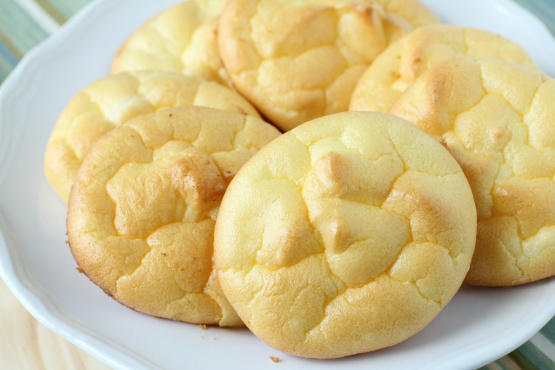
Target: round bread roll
[(498, 120), (297, 61), (182, 38), (401, 63), (345, 235), (142, 211), (113, 100)]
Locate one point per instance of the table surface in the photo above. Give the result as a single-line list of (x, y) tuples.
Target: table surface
[(27, 344)]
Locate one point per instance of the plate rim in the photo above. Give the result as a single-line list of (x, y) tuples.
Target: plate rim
[(14, 272), (18, 280)]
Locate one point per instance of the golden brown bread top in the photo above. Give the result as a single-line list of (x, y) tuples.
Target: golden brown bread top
[(182, 38), (498, 120), (142, 211), (406, 59), (112, 101), (345, 235), (300, 60)]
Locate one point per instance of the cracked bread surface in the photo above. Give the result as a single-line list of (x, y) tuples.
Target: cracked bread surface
[(402, 62), (182, 38), (142, 211), (345, 235), (112, 101), (498, 120), (299, 60)]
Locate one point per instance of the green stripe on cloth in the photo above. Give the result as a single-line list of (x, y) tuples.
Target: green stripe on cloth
[(528, 356), (508, 363), (549, 330), (69, 7), (24, 31), (521, 360), (52, 11)]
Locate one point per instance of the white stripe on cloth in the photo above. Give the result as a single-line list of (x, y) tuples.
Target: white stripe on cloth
[(39, 15), (544, 345)]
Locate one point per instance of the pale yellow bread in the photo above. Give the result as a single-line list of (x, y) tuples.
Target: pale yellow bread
[(112, 101), (299, 60), (406, 59), (347, 234), (142, 211), (498, 120), (181, 38)]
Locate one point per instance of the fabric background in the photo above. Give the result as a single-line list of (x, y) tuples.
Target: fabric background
[(25, 23)]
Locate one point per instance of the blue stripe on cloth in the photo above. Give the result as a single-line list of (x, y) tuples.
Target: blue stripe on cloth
[(7, 61), (7, 55), (5, 69)]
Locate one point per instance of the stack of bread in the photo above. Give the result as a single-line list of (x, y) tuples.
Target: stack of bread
[(326, 172)]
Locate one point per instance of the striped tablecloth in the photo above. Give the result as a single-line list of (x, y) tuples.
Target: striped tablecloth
[(25, 23)]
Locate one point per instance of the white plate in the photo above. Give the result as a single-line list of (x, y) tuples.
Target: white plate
[(478, 326)]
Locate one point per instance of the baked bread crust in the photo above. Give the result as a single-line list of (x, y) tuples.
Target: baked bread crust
[(345, 235), (182, 38), (142, 211), (402, 62), (296, 61), (498, 120), (112, 101)]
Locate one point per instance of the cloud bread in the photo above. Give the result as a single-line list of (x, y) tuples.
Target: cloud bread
[(498, 120), (182, 38), (401, 63), (345, 235), (142, 211), (300, 60), (113, 100)]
